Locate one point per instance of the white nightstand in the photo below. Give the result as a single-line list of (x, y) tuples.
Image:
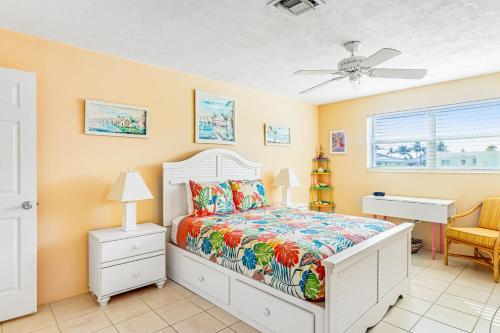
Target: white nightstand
[(124, 260)]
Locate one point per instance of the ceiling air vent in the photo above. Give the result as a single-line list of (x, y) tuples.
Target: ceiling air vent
[(296, 7)]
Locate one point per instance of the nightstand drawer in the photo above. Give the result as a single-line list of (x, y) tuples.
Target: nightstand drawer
[(133, 246), (132, 274)]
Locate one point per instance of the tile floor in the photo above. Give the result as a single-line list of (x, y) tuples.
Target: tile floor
[(460, 297)]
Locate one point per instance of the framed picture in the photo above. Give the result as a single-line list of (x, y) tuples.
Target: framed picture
[(277, 135), (338, 142), (215, 119), (102, 118)]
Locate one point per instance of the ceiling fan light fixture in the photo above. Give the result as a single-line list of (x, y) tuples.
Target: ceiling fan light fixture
[(355, 80)]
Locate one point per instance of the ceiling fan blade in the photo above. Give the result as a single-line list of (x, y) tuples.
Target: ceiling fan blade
[(379, 57), (321, 85), (397, 73), (316, 72)]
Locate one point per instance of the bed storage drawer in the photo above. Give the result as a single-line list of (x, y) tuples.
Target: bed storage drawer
[(132, 246), (206, 279), (132, 274), (272, 312)]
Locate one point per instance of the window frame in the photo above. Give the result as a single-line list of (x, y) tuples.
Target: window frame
[(430, 141)]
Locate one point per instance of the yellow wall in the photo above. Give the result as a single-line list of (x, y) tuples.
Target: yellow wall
[(353, 180), (75, 171)]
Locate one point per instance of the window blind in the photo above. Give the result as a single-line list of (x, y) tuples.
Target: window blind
[(458, 136)]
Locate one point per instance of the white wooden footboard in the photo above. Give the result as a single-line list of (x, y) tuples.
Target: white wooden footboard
[(363, 281)]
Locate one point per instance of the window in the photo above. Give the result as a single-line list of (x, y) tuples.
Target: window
[(460, 136)]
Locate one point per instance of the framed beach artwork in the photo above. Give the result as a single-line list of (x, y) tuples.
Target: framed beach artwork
[(338, 142), (277, 135), (102, 118), (215, 118)]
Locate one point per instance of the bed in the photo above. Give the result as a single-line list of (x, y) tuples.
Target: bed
[(358, 282)]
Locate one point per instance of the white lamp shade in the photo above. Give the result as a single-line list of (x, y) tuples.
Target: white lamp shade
[(129, 186), (287, 178)]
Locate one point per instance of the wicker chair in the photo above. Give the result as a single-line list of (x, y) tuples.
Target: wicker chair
[(485, 238)]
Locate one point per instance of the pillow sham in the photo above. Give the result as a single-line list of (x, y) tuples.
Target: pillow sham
[(211, 198), (189, 199), (249, 194)]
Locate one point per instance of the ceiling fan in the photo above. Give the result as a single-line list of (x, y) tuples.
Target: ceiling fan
[(356, 66)]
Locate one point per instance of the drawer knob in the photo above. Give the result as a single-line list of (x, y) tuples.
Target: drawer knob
[(201, 278), (135, 246), (137, 274), (266, 312)]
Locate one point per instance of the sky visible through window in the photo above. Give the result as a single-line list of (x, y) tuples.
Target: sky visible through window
[(464, 136)]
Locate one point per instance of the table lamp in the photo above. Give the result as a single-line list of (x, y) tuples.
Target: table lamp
[(128, 188), (286, 180)]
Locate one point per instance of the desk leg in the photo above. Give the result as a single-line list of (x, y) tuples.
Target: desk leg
[(441, 237), (433, 241)]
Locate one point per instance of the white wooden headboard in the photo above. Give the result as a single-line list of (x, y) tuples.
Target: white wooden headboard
[(207, 166)]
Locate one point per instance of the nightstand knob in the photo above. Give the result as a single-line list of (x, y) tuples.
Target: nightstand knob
[(201, 278), (266, 312), (135, 246), (137, 274)]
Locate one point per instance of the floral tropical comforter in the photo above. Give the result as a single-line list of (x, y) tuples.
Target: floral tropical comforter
[(278, 246)]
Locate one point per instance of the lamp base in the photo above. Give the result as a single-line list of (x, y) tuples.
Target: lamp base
[(286, 197), (129, 221)]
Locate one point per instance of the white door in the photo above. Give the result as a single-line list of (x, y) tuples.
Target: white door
[(17, 193)]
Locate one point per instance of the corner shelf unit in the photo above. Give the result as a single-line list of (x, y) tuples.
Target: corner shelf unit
[(321, 190)]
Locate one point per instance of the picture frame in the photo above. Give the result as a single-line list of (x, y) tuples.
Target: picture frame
[(215, 118), (338, 142), (277, 135), (111, 119)]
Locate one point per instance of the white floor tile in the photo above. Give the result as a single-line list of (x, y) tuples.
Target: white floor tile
[(489, 312), (483, 326), (439, 274), (424, 293), (401, 318), (451, 317), (146, 323), (494, 299), (475, 295), (242, 327), (460, 304), (201, 323), (430, 282), (413, 304), (426, 325), (384, 327), (41, 319)]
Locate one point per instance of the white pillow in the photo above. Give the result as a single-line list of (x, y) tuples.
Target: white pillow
[(189, 199)]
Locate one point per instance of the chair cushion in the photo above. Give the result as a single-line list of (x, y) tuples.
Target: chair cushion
[(490, 214), (478, 236)]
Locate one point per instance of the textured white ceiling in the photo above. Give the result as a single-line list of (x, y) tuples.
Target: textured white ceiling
[(248, 43)]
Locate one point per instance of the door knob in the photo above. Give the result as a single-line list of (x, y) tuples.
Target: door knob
[(27, 205)]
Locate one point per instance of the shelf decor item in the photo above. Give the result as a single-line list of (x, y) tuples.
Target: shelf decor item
[(286, 180), (111, 119), (129, 188), (321, 190), (215, 118), (338, 142)]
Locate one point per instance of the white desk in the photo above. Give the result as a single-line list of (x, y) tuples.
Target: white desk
[(436, 211)]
